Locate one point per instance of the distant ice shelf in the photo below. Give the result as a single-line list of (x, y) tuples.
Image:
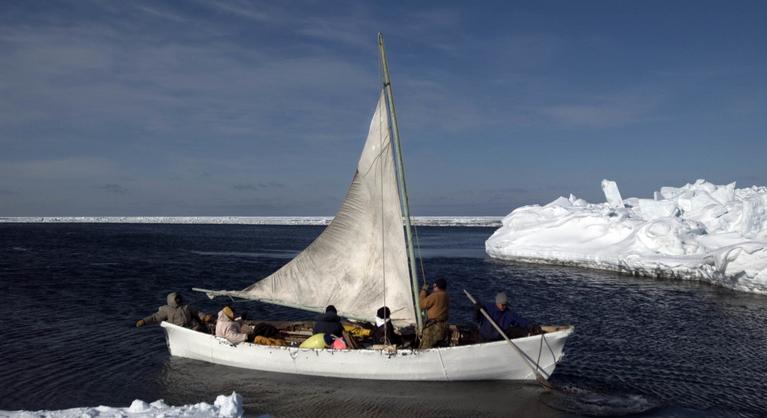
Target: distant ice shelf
[(479, 221), (701, 231)]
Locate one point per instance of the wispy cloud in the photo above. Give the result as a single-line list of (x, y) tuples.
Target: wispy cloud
[(595, 116), (258, 186), (65, 169), (161, 13), (250, 10), (113, 188), (604, 110)]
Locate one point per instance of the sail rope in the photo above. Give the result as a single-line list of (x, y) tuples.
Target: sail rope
[(419, 256)]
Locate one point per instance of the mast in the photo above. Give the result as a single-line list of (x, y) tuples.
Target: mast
[(400, 165)]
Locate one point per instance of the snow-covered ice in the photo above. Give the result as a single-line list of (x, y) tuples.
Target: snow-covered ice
[(223, 406), (701, 231)]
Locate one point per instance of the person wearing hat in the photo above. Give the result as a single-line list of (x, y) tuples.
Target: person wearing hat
[(436, 304), (384, 331), (512, 324), (229, 327), (177, 313), (329, 323)]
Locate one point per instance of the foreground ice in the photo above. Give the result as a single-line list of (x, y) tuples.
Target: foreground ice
[(700, 231), (224, 406)]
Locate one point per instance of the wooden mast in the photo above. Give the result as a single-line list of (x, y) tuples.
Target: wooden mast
[(400, 165)]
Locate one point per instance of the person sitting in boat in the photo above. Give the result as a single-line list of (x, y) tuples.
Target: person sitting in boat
[(513, 325), (230, 327), (329, 323), (436, 305), (177, 313), (384, 331)]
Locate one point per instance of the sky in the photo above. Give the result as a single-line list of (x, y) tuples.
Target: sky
[(249, 108)]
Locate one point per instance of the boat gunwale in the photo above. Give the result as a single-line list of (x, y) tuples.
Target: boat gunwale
[(564, 332)]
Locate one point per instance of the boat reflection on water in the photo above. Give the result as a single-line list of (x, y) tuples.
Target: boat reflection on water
[(183, 381)]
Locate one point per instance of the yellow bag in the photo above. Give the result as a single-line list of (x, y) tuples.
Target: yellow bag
[(269, 341), (315, 341), (357, 331)]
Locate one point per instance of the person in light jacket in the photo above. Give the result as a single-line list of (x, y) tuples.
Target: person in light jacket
[(227, 326), (177, 313)]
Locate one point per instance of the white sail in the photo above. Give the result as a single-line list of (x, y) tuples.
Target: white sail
[(359, 262)]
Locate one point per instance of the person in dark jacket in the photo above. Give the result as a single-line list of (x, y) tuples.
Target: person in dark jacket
[(512, 324), (177, 313), (384, 331), (329, 323)]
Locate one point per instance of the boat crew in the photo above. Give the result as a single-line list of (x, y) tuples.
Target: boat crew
[(436, 305), (177, 313), (512, 324), (329, 323), (384, 331), (230, 327)]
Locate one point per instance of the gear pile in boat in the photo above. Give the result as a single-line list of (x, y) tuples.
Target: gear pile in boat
[(330, 331)]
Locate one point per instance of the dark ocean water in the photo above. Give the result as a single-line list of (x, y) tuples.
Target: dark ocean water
[(71, 293)]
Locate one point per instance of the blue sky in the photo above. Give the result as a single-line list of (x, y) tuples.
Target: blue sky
[(261, 108)]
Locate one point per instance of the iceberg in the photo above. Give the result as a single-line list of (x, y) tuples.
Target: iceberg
[(700, 231), (223, 406)]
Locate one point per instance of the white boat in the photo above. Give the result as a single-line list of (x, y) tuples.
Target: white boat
[(365, 259), (486, 361)]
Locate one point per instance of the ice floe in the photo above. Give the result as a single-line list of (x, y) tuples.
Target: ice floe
[(223, 406), (701, 231)]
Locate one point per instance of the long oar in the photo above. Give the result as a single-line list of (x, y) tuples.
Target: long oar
[(539, 376)]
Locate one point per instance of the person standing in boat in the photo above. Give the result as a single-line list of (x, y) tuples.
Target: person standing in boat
[(384, 331), (436, 305), (512, 324), (329, 323), (229, 327), (177, 313)]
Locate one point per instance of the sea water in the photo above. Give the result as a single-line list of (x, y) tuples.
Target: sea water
[(71, 294)]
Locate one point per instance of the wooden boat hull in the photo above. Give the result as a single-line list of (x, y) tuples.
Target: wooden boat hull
[(486, 361)]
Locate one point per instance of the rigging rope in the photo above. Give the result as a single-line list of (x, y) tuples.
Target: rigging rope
[(419, 257)]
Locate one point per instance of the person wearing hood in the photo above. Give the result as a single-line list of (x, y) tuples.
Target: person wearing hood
[(513, 325), (329, 323), (229, 327), (177, 313), (384, 331)]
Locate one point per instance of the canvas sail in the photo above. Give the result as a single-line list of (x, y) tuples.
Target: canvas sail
[(359, 262)]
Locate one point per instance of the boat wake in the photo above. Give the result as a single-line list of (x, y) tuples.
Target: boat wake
[(581, 401)]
